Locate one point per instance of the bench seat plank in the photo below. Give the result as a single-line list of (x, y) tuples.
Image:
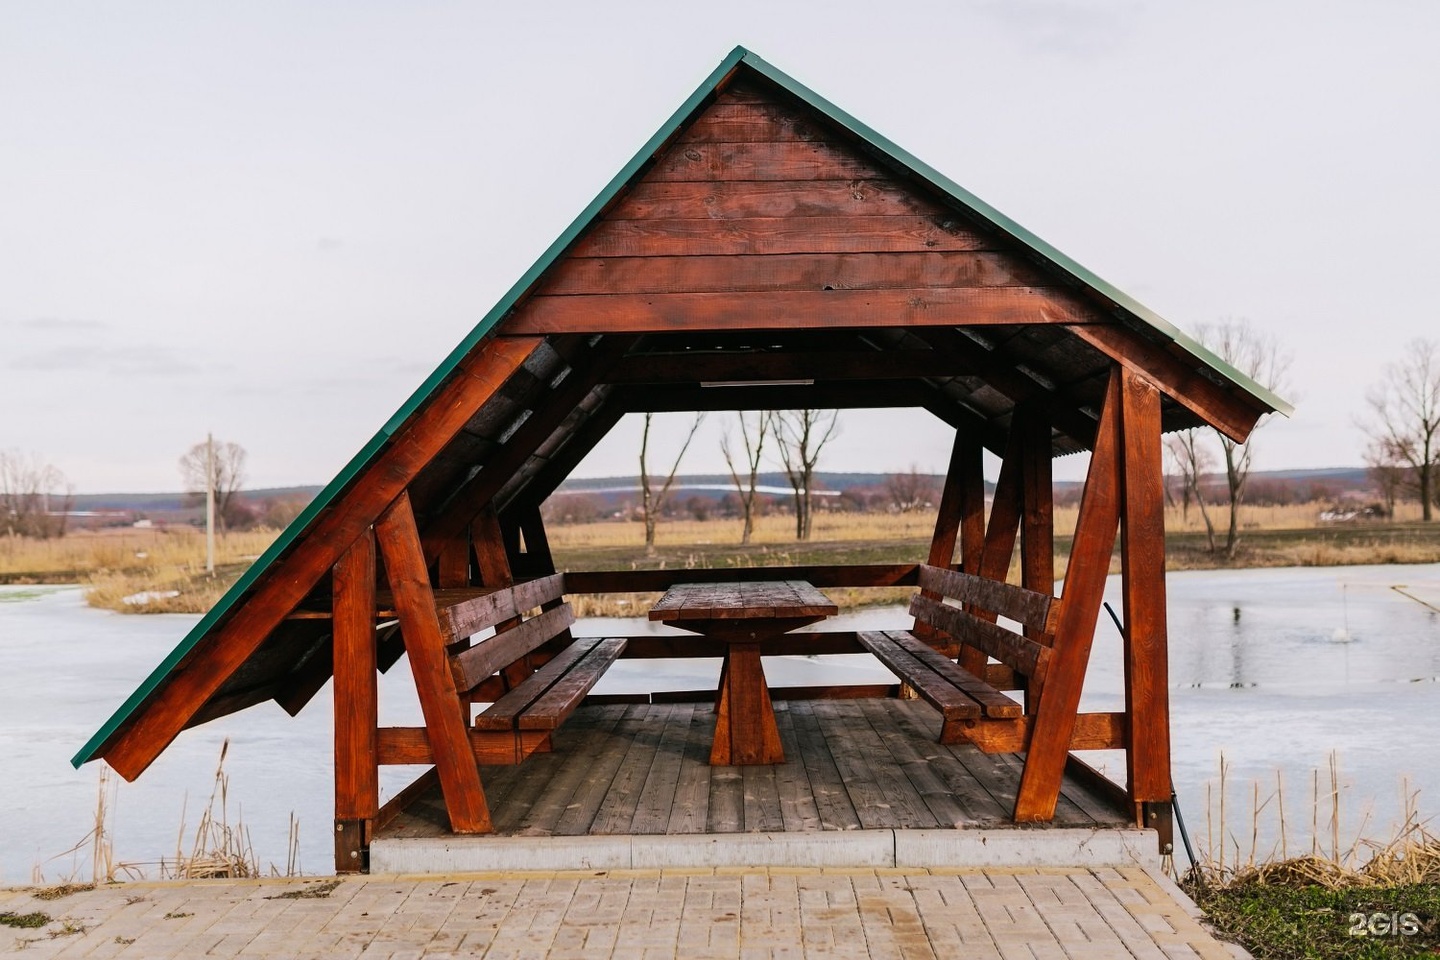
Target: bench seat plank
[(992, 701), (502, 714), (944, 696), (551, 709)]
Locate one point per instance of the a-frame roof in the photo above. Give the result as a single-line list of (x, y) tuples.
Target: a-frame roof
[(987, 316)]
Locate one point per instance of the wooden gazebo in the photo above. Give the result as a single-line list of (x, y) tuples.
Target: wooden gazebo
[(763, 251)]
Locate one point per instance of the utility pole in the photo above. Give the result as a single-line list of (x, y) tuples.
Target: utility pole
[(210, 504)]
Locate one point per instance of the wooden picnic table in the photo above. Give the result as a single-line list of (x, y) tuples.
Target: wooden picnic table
[(743, 615)]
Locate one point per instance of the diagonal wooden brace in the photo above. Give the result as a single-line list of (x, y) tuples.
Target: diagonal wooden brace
[(1085, 575), (444, 710)]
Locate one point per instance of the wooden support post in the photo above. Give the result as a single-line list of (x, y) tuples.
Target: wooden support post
[(537, 542), (1079, 608), (492, 564), (972, 504), (453, 565), (492, 559), (1142, 545), (444, 710), (999, 536), (952, 507), (1037, 520), (357, 771), (955, 518)]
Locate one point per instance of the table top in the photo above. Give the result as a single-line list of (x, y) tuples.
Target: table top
[(741, 600)]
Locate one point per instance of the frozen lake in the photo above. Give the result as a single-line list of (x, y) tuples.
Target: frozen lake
[(1276, 668)]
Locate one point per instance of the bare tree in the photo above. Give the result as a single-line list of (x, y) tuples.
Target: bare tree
[(910, 490), (801, 435), (1260, 357), (1405, 424), (1192, 460), (34, 496), (754, 449), (1388, 472), (652, 501), (229, 479)]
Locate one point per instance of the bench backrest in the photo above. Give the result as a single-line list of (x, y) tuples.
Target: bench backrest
[(1035, 610), (502, 608)]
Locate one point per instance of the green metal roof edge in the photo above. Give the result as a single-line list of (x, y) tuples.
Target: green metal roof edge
[(738, 56), (960, 195), (367, 454)]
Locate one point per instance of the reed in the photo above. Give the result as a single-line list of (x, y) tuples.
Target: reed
[(1232, 855), (220, 850)]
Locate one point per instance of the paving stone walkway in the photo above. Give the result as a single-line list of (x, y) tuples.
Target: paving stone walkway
[(1068, 914)]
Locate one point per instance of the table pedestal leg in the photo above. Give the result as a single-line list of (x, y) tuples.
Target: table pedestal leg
[(745, 730)]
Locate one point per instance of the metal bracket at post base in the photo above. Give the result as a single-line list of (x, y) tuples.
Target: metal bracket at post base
[(352, 846), (1159, 815)]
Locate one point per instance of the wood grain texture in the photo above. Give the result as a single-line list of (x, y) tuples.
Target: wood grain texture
[(357, 780), (776, 235), (405, 746), (1080, 606), (488, 656), (1018, 603), (1092, 731), (472, 497), (940, 693), (769, 160), (1025, 655), (1179, 378), (754, 199), (1142, 550), (694, 367), (464, 613), (750, 273), (1001, 529), (290, 578), (440, 701), (796, 310)]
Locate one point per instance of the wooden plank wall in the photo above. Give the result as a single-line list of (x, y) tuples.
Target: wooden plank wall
[(758, 196)]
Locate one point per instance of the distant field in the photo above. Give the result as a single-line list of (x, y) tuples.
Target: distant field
[(116, 565)]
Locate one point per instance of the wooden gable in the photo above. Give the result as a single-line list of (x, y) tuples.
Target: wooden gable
[(762, 196)]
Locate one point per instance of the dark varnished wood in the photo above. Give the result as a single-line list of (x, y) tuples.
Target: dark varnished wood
[(1025, 655), (287, 581), (797, 310), (1142, 549), (357, 785), (1181, 379), (1018, 603), (440, 701), (748, 273), (1080, 606), (500, 651), (742, 614)]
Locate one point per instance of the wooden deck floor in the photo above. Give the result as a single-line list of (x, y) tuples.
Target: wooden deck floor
[(850, 764)]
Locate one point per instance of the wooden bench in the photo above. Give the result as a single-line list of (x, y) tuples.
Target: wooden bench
[(974, 709), (530, 671)]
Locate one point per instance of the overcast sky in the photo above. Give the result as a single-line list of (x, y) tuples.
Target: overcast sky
[(272, 220)]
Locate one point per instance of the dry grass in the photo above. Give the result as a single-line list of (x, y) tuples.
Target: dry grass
[(71, 558), (160, 571), (1409, 856), (769, 530)]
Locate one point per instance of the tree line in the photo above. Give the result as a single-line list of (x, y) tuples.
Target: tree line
[(1401, 423)]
